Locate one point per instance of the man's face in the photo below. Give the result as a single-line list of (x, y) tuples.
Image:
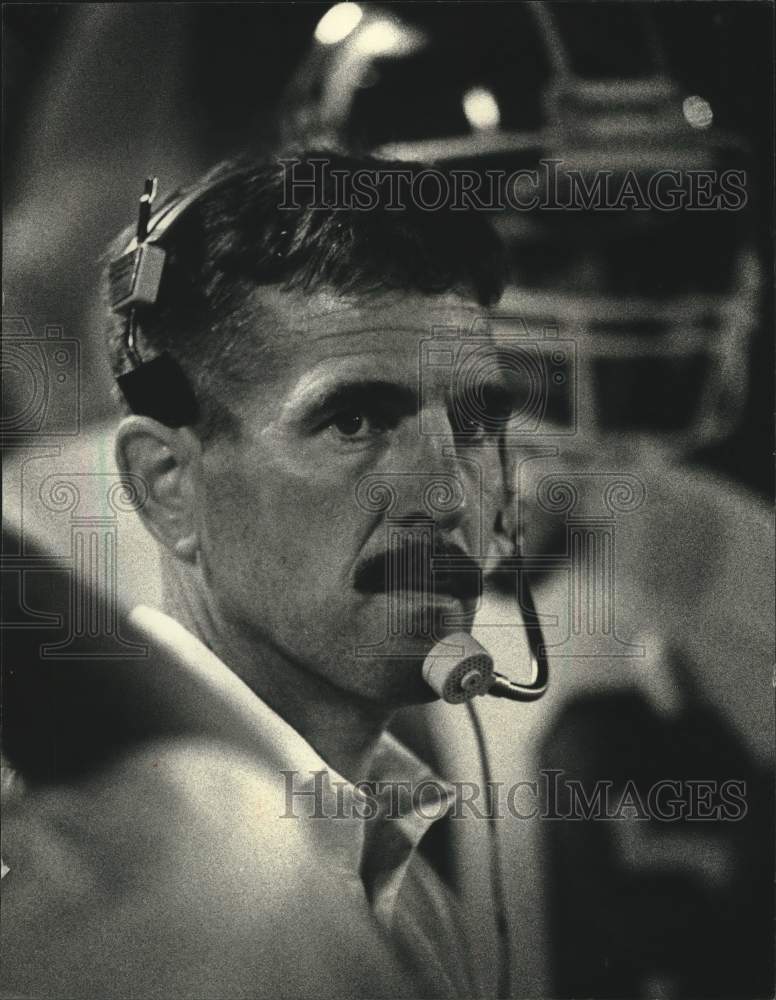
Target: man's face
[(354, 466)]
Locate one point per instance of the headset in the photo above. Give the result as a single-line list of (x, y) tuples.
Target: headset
[(155, 387), (458, 668)]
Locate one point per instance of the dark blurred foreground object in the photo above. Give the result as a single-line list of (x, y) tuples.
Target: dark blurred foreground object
[(142, 850)]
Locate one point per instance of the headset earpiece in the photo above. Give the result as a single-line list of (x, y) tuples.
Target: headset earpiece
[(159, 388)]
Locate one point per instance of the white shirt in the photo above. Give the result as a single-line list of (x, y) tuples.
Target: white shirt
[(406, 895)]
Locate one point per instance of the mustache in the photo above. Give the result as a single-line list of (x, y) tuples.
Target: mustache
[(410, 565)]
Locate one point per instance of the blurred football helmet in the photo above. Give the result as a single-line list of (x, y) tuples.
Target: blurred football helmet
[(660, 303)]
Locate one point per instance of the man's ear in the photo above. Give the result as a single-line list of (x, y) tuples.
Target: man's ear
[(167, 460)]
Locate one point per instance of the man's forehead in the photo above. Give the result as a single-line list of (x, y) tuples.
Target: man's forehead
[(313, 345), (309, 342), (296, 317)]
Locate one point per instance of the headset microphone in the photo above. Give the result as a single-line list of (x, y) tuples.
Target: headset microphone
[(459, 668)]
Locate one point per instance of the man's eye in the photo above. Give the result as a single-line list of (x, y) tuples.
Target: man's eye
[(356, 424), (348, 424)]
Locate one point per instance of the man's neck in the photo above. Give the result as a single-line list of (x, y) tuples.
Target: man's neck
[(343, 729)]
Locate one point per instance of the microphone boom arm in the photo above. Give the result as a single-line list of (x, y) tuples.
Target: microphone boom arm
[(458, 678)]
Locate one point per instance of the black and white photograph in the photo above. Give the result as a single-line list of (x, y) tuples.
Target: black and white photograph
[(388, 560)]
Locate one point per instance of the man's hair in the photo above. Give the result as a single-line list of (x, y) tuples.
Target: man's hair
[(239, 234)]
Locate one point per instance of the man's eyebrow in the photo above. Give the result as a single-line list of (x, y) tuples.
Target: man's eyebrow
[(363, 390)]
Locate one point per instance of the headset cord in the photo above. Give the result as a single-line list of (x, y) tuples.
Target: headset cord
[(504, 974)]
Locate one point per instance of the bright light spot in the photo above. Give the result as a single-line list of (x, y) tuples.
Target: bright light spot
[(337, 23), (384, 38), (697, 111), (480, 108)]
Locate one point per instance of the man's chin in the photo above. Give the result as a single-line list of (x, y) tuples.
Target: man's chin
[(392, 671), (378, 655), (395, 681)]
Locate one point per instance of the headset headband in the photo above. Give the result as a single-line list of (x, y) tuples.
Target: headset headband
[(157, 387), (166, 217)]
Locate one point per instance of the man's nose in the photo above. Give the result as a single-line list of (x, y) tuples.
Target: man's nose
[(446, 492), (425, 478)]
